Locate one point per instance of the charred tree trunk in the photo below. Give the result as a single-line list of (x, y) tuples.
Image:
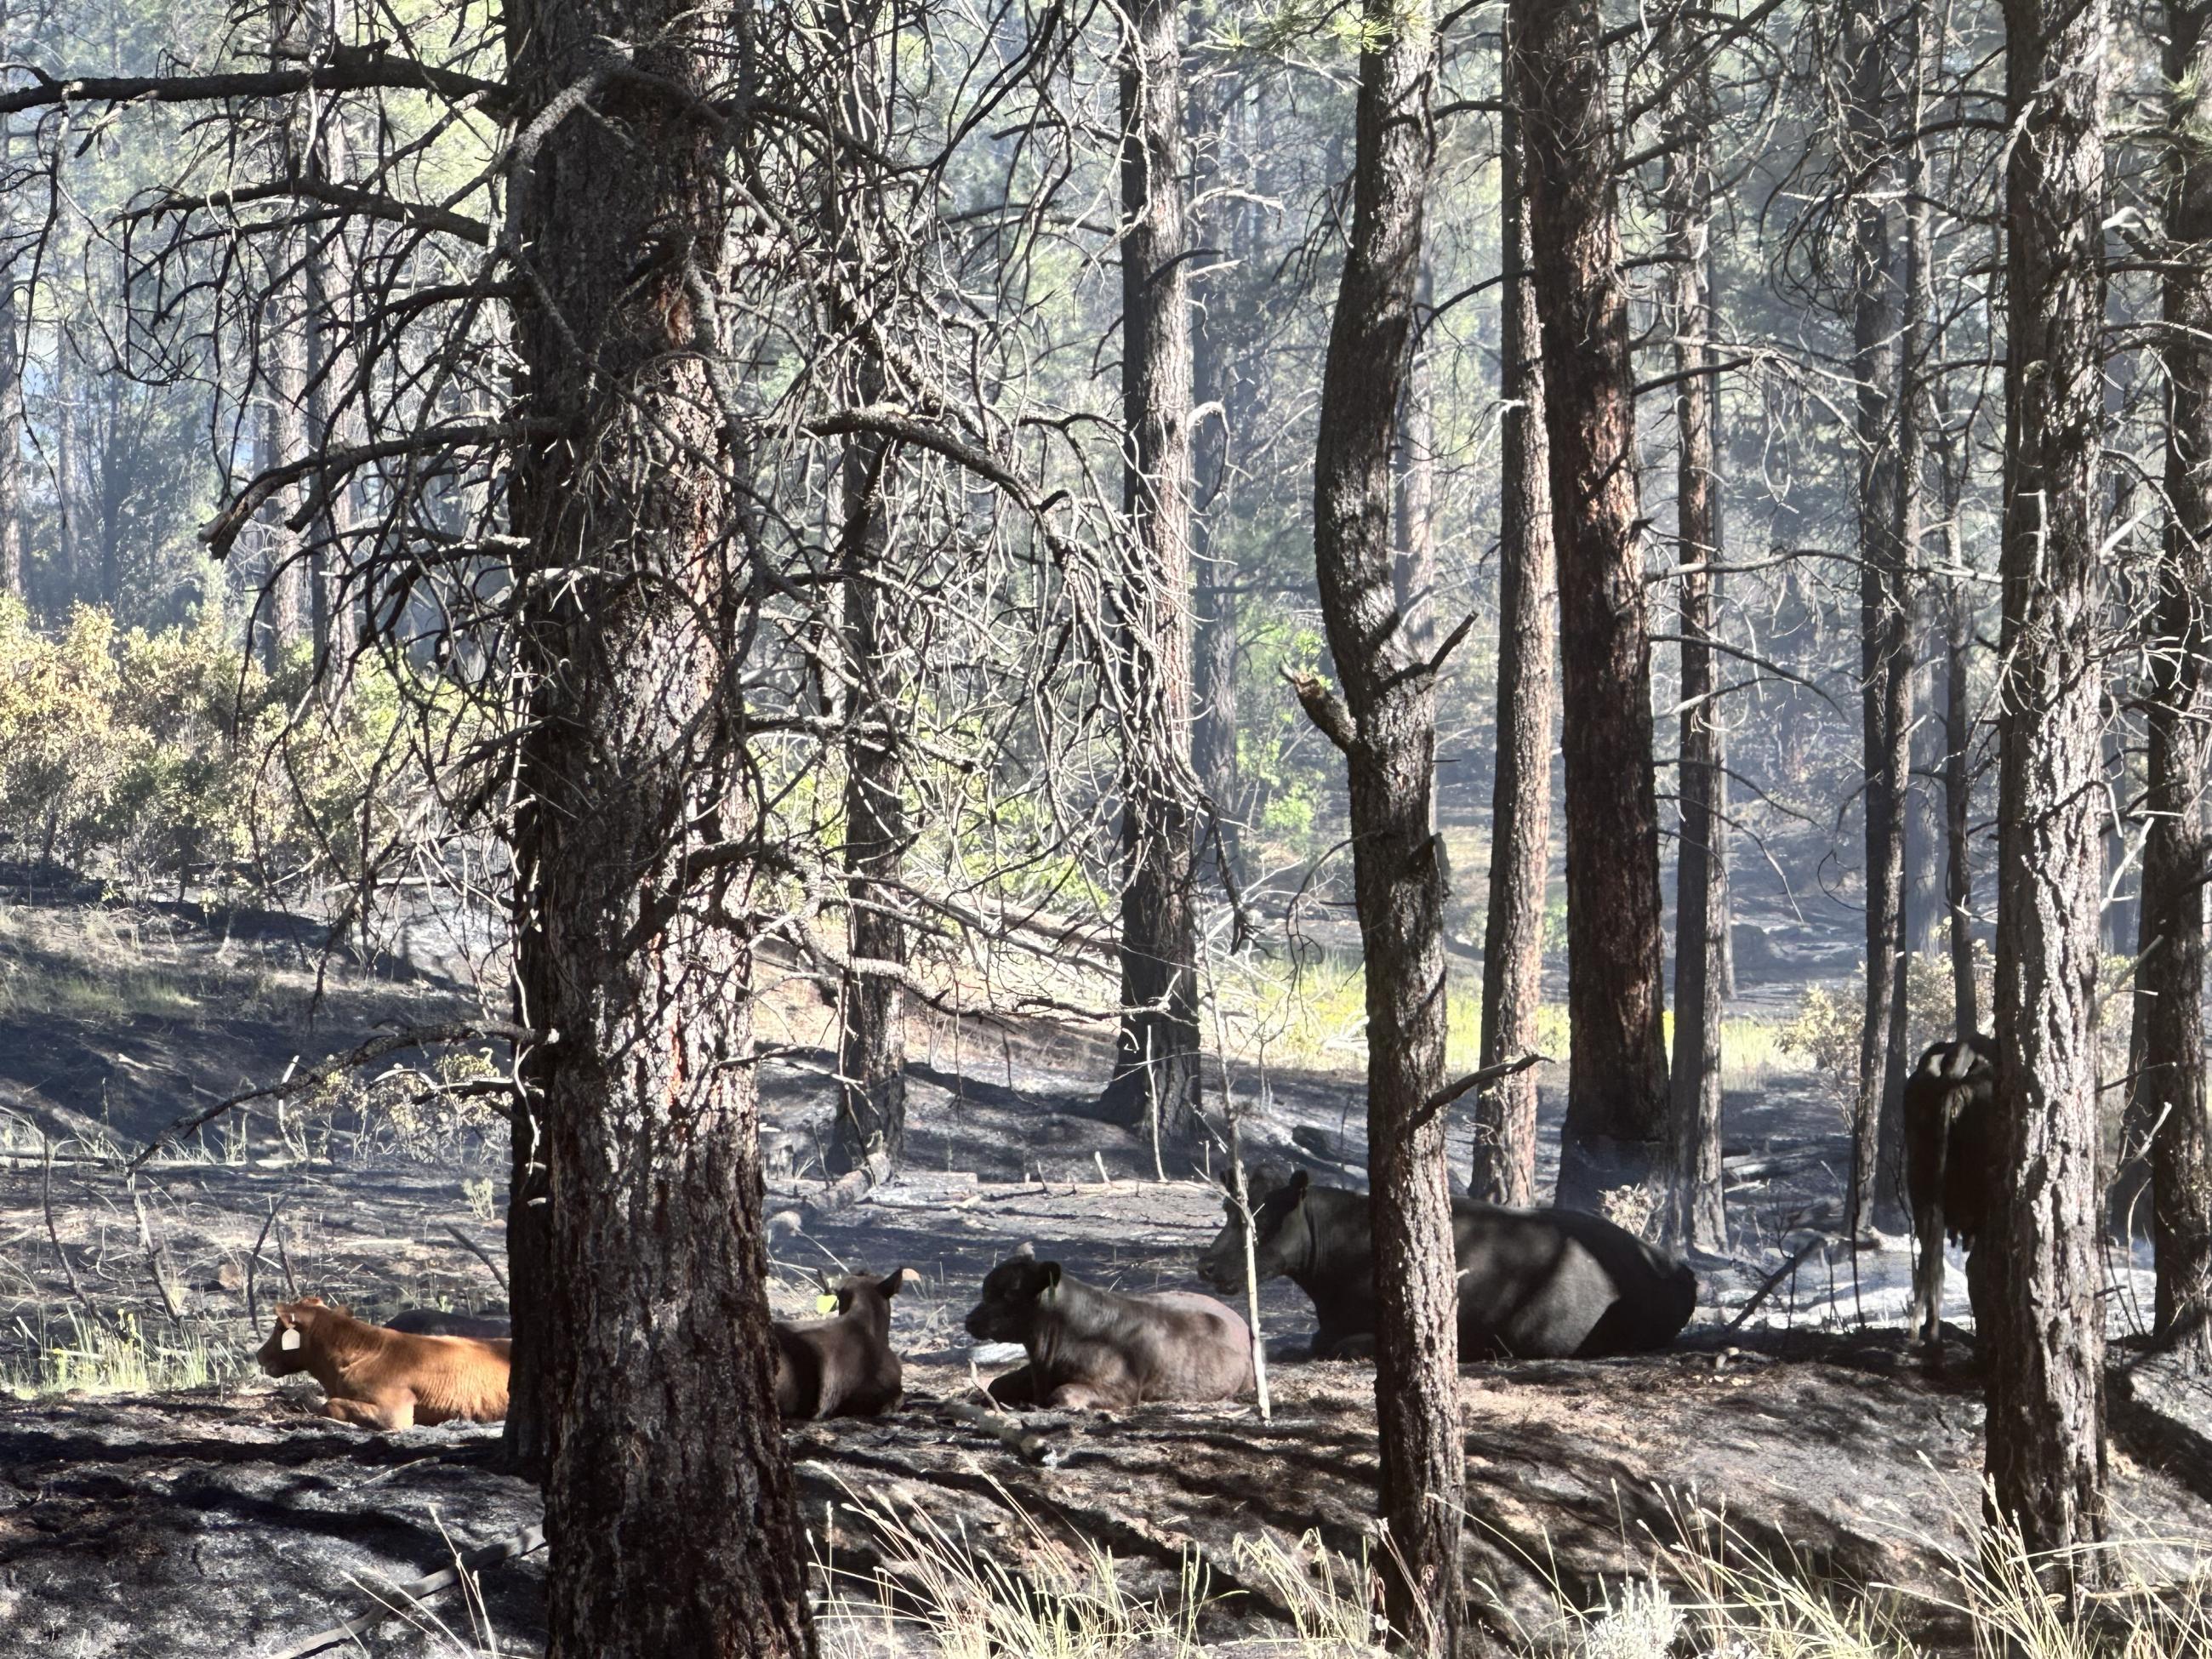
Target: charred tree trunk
[(11, 438), (1617, 1098), (285, 431), (1695, 1214), (1958, 814), (2170, 1089), (2045, 1336), (1156, 1067), (1521, 797), (870, 1130), (1413, 522), (1885, 640), (1214, 381), (670, 1505), (1385, 724)]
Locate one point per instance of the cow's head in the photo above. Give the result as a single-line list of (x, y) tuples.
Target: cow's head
[(1282, 1240), (286, 1350), (1014, 1292), (865, 1292)]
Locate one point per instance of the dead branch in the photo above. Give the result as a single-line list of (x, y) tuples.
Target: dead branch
[(481, 1254), (529, 1540), (156, 1256), (1476, 1079), (53, 1236), (412, 1037), (1325, 709), (1026, 1443)]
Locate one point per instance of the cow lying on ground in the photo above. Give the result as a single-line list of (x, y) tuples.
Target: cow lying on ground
[(1947, 1161), (841, 1366), (1089, 1346), (430, 1321), (386, 1379), (1532, 1284)]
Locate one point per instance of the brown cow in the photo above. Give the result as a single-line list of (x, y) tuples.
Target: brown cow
[(385, 1379), (1093, 1348), (842, 1366)]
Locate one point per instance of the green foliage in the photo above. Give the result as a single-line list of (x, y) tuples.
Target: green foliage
[(161, 756)]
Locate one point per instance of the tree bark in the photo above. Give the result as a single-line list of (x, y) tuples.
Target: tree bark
[(2045, 1322), (1616, 1097), (2170, 1088), (1886, 511), (669, 1507), (1216, 385), (11, 438), (285, 434), (1520, 795), (1386, 727), (1695, 1214), (870, 1129), (1958, 814), (1156, 1068)]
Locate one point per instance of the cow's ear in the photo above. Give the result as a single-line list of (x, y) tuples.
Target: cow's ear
[(1299, 1183), (1051, 1270), (896, 1279)]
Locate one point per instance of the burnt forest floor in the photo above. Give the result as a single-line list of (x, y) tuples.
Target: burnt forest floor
[(156, 1498)]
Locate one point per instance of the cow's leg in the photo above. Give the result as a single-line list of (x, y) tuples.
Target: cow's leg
[(1017, 1388), (369, 1414), (1928, 1277)]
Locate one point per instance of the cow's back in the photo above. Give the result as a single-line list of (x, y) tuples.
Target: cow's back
[(1562, 1283)]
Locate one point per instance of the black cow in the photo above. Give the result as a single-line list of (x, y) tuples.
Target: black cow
[(1532, 1284), (431, 1321), (1947, 1164), (1089, 1346), (842, 1365)]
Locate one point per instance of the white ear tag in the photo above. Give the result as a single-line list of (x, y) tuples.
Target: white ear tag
[(291, 1341), (825, 1303)]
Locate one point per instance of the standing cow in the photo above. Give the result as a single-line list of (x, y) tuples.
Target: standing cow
[(1946, 1167)]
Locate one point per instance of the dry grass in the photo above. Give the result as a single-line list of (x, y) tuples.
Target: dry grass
[(1709, 1591)]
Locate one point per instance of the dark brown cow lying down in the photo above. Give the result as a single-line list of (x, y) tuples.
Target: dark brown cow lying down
[(1092, 1348), (841, 1366)]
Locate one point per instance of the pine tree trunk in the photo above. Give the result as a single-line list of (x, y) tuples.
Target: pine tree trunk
[(669, 1506), (1957, 815), (1885, 641), (1695, 1214), (1521, 796), (1617, 1096), (1219, 326), (1386, 728), (869, 1132), (11, 438), (2178, 853), (285, 431), (1156, 1068), (2045, 1322)]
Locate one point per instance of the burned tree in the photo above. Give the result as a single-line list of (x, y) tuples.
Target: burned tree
[(1156, 1071), (1521, 798), (1695, 1215), (1385, 726), (2169, 1098), (869, 1132), (2046, 1324), (1617, 1096)]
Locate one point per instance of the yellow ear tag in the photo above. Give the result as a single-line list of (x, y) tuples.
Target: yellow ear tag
[(291, 1341), (825, 1303)]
